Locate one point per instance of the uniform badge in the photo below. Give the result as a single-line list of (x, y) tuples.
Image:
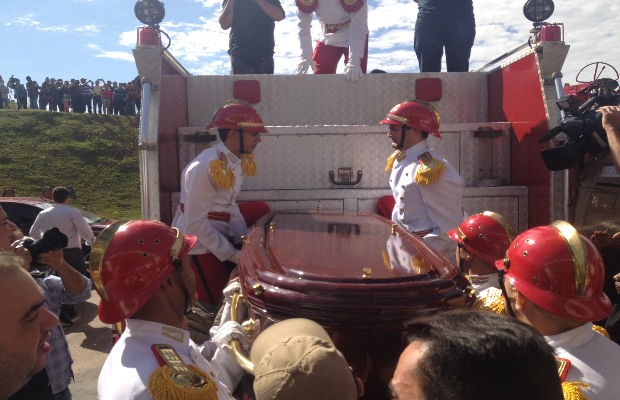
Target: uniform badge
[(430, 169), (177, 381)]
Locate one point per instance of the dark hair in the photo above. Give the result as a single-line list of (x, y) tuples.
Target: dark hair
[(7, 191), (223, 134), (60, 194), (425, 135), (474, 355)]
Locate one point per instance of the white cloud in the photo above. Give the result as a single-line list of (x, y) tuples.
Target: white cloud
[(24, 21), (56, 29), (92, 46), (116, 55), (208, 3), (87, 29)]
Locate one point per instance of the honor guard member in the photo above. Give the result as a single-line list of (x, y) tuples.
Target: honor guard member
[(428, 191), (210, 185), (141, 270), (553, 278), (344, 30), (481, 240)]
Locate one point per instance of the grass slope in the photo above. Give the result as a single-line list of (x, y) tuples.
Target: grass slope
[(95, 154)]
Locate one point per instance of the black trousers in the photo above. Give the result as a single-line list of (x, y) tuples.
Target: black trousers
[(457, 37), (244, 65), (75, 258)]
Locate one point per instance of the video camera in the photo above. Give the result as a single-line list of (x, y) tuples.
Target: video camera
[(584, 132), (52, 240)]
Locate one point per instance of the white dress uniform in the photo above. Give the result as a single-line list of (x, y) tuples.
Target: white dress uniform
[(131, 362), (483, 283), (200, 195), (595, 361), (435, 207), (330, 12)]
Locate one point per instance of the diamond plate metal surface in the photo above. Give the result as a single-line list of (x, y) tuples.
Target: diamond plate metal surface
[(189, 150), (332, 100)]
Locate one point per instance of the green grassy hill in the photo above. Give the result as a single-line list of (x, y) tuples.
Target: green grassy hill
[(95, 154)]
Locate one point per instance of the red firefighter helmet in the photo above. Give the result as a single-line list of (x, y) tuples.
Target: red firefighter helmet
[(416, 114), (235, 114), (130, 260), (487, 235), (559, 270)]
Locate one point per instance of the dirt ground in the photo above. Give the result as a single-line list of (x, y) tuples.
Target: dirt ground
[(90, 341)]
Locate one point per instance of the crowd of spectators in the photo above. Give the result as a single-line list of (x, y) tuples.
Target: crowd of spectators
[(99, 97)]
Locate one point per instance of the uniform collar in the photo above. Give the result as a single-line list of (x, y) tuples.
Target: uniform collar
[(483, 282), (231, 157), (414, 151), (59, 205), (157, 333), (573, 338)]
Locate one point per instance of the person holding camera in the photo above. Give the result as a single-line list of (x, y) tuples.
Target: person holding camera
[(611, 124), (69, 287)]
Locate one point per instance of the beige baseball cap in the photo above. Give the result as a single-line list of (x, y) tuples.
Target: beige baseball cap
[(296, 360)]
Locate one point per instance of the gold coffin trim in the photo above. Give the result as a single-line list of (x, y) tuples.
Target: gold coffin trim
[(578, 253), (97, 253), (510, 230)]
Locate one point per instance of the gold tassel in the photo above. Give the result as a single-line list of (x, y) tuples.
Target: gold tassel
[(248, 165), (390, 160), (221, 174), (386, 259), (162, 387), (494, 302), (601, 330), (430, 173), (572, 391)]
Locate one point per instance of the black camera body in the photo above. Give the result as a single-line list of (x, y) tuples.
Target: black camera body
[(584, 133), (52, 240)]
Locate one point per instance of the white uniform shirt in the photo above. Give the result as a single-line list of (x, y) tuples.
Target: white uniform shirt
[(331, 12), (436, 206), (126, 371), (595, 360), (482, 284), (68, 220), (200, 196)]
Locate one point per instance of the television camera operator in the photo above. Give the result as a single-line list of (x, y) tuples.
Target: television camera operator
[(611, 123), (68, 287)]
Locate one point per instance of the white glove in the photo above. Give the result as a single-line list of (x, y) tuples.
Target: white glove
[(306, 61), (353, 69), (235, 257), (241, 309), (223, 335), (231, 289)]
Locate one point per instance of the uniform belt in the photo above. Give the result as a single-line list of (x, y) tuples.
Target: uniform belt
[(219, 216), (333, 28), (213, 216), (421, 234)]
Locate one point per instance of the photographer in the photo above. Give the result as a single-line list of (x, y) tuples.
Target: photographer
[(611, 123), (69, 287)]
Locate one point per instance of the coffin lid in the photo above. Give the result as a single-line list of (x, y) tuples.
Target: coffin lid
[(345, 269)]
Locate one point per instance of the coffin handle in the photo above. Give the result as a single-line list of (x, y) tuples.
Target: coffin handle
[(235, 344)]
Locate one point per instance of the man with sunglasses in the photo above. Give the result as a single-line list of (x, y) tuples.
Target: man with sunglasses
[(427, 189), (553, 279), (141, 270)]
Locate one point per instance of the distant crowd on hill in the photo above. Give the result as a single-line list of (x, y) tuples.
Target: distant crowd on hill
[(102, 97)]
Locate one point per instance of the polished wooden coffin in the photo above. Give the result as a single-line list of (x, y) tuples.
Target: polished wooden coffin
[(346, 270)]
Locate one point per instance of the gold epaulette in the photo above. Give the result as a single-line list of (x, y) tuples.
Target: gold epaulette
[(494, 302), (248, 165), (223, 176), (601, 330), (431, 169), (572, 390), (177, 381), (391, 160)]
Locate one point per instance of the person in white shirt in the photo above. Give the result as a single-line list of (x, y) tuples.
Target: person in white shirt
[(553, 279), (210, 185), (482, 239), (427, 189), (344, 31), (70, 222), (141, 270)]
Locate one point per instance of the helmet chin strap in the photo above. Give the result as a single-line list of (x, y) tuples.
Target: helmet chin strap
[(241, 149), (188, 300), (402, 137), (502, 285)]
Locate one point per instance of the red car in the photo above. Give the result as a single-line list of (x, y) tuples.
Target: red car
[(22, 211)]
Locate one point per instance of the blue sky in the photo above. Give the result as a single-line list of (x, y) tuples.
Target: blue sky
[(93, 38)]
